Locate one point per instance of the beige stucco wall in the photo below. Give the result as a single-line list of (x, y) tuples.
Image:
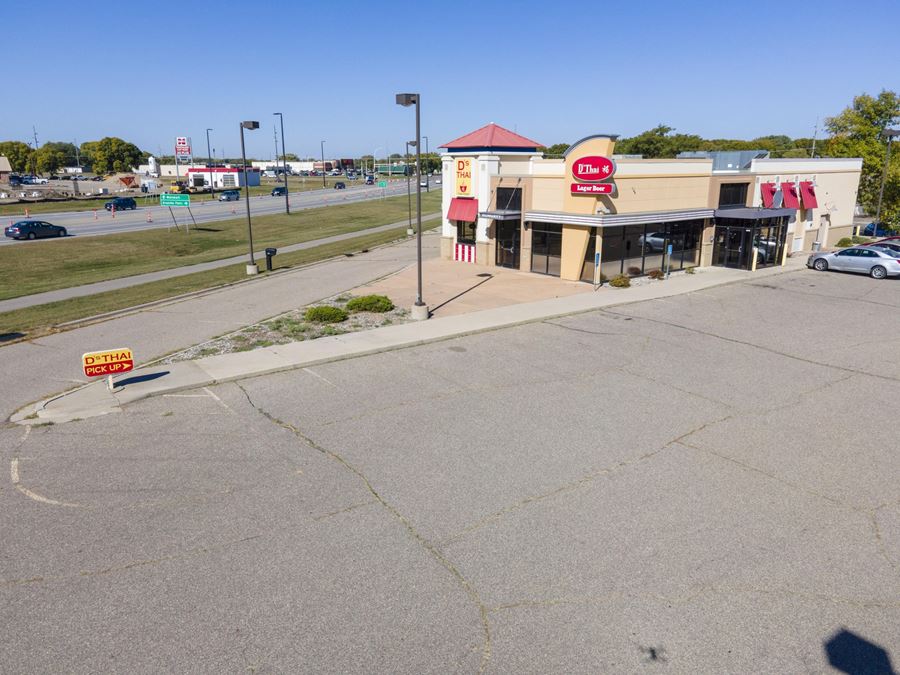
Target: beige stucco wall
[(574, 246)]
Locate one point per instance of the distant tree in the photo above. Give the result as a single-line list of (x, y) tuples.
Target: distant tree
[(52, 156), (856, 132), (795, 152), (291, 157), (18, 154), (555, 150), (112, 154), (659, 142)]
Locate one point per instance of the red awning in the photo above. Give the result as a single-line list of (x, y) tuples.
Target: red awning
[(808, 194), (789, 195), (768, 194), (463, 209)]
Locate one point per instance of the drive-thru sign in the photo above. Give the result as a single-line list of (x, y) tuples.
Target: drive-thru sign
[(109, 362)]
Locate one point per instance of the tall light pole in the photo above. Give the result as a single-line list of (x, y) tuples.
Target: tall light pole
[(889, 134), (427, 173), (323, 163), (212, 182), (287, 204), (408, 193), (420, 309), (252, 267), (374, 155)]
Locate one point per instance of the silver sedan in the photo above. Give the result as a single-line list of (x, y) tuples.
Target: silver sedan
[(878, 263)]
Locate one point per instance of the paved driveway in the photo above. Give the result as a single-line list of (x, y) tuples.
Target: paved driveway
[(705, 483)]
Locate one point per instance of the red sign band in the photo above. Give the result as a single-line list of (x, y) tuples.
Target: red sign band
[(592, 188), (108, 368)]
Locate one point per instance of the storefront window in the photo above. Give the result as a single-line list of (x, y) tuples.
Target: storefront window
[(732, 194), (638, 249), (587, 268), (509, 199), (465, 232), (612, 249), (633, 260), (546, 248)]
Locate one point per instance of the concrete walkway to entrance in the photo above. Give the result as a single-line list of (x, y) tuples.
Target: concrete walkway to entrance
[(95, 399)]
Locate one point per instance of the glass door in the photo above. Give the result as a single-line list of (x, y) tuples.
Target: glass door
[(507, 243), (546, 249)]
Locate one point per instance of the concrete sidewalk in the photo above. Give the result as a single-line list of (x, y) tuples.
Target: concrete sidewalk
[(125, 282), (95, 399)]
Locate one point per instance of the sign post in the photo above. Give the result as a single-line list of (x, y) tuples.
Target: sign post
[(108, 362), (668, 259), (177, 200)]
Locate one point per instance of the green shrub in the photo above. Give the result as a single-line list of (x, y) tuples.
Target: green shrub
[(844, 242), (370, 303), (656, 274), (634, 271), (325, 314), (856, 239), (620, 281), (690, 270)]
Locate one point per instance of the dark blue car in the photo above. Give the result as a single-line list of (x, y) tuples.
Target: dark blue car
[(876, 230)]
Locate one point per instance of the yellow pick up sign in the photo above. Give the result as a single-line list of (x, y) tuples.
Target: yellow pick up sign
[(108, 362)]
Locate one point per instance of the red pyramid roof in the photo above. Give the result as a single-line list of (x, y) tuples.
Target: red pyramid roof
[(492, 136)]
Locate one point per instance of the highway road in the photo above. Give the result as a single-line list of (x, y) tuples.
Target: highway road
[(85, 223)]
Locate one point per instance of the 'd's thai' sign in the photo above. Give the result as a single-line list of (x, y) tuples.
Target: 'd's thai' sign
[(108, 362), (593, 169), (463, 176)]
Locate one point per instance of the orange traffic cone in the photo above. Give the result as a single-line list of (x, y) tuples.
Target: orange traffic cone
[(26, 213), (149, 217), (95, 214)]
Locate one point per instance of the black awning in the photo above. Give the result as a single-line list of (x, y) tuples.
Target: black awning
[(754, 214), (501, 214)]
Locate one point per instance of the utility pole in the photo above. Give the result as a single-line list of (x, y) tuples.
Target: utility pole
[(812, 153), (34, 156)]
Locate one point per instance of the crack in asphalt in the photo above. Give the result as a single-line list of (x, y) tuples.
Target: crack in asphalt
[(420, 539)]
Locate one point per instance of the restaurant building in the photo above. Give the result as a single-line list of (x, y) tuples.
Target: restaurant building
[(506, 205)]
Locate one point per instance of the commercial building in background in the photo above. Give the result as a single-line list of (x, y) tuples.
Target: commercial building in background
[(5, 169), (222, 177), (506, 205)]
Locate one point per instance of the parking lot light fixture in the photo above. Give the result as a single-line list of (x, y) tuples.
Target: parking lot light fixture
[(287, 204), (322, 143), (252, 267), (427, 171), (420, 309)]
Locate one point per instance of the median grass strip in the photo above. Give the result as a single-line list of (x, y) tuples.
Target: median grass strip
[(35, 267), (39, 320)]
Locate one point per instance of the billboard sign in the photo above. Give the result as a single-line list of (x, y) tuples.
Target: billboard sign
[(182, 146)]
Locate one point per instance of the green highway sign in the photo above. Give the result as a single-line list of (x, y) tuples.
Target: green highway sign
[(382, 183), (166, 199)]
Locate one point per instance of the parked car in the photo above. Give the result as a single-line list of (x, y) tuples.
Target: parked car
[(97, 178), (655, 241), (278, 191), (876, 230), (229, 196), (339, 185), (370, 180), (423, 183), (121, 204), (891, 245), (34, 229), (877, 263)]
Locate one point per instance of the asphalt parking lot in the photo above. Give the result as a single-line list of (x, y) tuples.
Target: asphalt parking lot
[(703, 483)]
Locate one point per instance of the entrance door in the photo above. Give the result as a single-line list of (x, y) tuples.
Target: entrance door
[(508, 234), (733, 247)]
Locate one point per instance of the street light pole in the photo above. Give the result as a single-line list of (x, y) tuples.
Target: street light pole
[(252, 267), (287, 204), (212, 182), (420, 309), (889, 134), (427, 172), (409, 229), (323, 163)]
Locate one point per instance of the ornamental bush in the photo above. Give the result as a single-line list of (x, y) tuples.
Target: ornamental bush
[(844, 242), (325, 314), (370, 303), (620, 281), (656, 274)]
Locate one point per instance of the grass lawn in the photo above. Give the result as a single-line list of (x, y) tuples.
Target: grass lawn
[(39, 320), (35, 267), (295, 184)]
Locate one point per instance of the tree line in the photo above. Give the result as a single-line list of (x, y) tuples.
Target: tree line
[(854, 132), (107, 155)]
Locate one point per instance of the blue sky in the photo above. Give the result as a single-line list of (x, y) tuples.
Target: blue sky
[(553, 71)]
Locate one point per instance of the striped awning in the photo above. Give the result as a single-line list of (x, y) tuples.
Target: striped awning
[(617, 219)]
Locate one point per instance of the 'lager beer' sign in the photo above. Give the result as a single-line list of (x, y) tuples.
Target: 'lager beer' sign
[(109, 362), (463, 176), (593, 172)]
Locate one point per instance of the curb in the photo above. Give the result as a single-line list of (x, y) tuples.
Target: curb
[(115, 401)]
